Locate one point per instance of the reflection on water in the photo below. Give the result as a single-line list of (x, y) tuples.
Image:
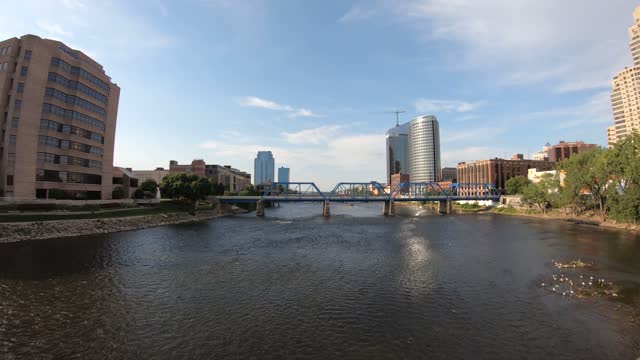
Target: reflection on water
[(295, 284)]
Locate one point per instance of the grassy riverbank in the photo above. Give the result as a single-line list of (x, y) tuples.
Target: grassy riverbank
[(91, 212), (559, 215)]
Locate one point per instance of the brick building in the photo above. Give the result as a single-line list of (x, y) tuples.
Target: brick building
[(498, 171), (564, 150)]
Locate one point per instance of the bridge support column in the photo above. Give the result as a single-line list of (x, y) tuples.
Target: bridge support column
[(445, 207), (260, 208), (326, 209), (389, 208)]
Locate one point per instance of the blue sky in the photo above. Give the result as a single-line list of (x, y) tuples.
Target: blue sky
[(311, 80)]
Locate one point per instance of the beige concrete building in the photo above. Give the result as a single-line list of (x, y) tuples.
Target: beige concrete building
[(157, 175), (59, 112), (626, 91)]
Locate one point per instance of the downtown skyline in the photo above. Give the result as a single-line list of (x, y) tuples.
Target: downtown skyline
[(316, 96)]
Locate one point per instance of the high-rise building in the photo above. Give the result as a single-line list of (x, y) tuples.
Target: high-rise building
[(424, 149), (59, 112), (397, 150), (625, 89), (264, 166), (283, 175)]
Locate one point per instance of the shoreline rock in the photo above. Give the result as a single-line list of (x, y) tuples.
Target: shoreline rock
[(40, 230)]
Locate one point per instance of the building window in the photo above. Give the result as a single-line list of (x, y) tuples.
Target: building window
[(23, 71), (17, 104), (11, 157), (20, 88), (9, 180), (14, 123), (27, 54), (12, 139)]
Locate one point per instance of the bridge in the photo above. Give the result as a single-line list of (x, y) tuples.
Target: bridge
[(368, 192)]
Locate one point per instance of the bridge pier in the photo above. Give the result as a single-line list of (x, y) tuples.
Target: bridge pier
[(389, 208), (260, 208), (445, 207), (326, 209)]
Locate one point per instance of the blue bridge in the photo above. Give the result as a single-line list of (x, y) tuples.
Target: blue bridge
[(368, 192)]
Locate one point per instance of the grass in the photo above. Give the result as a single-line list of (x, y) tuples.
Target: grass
[(163, 208), (505, 210)]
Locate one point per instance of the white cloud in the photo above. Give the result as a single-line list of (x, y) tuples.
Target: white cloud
[(317, 135), (569, 45), (256, 102), (596, 110), (357, 12), (433, 106), (54, 31)]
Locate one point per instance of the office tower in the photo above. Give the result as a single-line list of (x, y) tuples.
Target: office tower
[(264, 168), (59, 121), (424, 149)]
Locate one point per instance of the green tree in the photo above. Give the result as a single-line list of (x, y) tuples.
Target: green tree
[(516, 185), (186, 187), (149, 188), (587, 171), (623, 193)]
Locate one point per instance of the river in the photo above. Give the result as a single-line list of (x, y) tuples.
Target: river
[(297, 285)]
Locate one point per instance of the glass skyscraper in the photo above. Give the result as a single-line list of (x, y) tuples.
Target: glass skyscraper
[(283, 174), (397, 151), (263, 167), (424, 149)]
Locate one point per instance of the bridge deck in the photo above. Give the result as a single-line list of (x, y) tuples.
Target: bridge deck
[(253, 199)]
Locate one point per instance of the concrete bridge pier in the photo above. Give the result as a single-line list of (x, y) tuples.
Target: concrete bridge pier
[(260, 208), (445, 207), (326, 209), (389, 208)]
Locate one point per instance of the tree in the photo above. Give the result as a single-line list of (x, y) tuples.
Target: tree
[(623, 193), (148, 188), (516, 185), (249, 191), (187, 187), (543, 194), (588, 171)]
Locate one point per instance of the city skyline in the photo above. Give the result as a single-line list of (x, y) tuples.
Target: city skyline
[(264, 87)]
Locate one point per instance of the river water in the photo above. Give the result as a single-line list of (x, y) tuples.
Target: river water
[(296, 285)]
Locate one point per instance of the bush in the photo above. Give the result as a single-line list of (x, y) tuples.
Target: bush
[(138, 194)]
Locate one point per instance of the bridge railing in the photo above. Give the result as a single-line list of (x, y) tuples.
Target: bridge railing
[(293, 191), (475, 190), (358, 191)]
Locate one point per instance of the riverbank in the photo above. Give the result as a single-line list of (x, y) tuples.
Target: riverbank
[(36, 230), (553, 215)]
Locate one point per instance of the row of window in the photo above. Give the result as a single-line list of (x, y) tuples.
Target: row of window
[(44, 157), (5, 50), (76, 85), (67, 177), (72, 130), (74, 100), (66, 144), (83, 73), (70, 114)]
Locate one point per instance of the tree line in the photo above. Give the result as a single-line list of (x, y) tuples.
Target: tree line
[(603, 181)]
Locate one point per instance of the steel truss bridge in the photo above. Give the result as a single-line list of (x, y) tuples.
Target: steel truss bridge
[(370, 192)]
